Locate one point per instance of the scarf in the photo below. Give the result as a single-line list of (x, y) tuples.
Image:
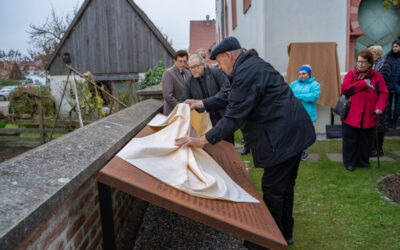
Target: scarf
[(364, 75)]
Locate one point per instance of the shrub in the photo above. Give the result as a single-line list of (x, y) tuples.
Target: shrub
[(23, 101), (153, 76)]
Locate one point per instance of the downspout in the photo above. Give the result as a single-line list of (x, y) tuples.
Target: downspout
[(223, 18), (263, 27)]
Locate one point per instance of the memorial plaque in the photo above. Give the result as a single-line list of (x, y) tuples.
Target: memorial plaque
[(250, 221)]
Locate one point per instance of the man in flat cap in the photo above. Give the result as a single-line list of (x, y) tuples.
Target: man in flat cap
[(273, 121)]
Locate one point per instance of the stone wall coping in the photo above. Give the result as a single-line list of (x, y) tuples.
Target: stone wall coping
[(34, 184), (152, 90)]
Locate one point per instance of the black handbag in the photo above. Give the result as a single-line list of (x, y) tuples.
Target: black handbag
[(342, 107)]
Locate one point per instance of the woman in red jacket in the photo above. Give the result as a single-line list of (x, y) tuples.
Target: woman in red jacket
[(368, 93)]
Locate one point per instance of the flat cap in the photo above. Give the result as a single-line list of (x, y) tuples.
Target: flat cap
[(228, 44)]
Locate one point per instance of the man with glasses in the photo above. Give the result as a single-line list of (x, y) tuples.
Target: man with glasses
[(173, 80), (203, 83)]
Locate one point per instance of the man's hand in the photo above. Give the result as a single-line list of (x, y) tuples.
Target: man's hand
[(191, 141), (195, 104), (378, 112)]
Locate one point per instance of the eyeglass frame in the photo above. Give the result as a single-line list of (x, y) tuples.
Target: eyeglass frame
[(362, 62), (196, 66)]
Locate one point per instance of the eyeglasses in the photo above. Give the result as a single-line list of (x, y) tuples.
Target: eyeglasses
[(362, 62), (181, 61), (195, 66)]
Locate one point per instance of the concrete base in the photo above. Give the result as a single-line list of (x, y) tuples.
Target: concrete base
[(312, 158), (396, 153), (338, 157)]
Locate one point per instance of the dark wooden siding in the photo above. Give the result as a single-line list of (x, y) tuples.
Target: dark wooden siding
[(111, 38)]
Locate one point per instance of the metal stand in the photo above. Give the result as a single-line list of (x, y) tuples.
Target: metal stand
[(75, 89), (106, 215), (78, 106)]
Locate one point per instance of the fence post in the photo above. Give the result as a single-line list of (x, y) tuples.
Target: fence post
[(41, 118)]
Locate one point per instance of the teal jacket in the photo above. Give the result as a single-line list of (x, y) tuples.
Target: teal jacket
[(308, 93)]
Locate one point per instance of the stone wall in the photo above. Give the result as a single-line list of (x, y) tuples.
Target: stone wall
[(49, 196), (76, 224)]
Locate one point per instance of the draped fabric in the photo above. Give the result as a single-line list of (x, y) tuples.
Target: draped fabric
[(189, 169), (323, 58)]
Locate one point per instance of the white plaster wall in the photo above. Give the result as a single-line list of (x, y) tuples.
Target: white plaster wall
[(324, 115), (324, 118), (270, 25), (303, 21), (57, 85), (250, 29)]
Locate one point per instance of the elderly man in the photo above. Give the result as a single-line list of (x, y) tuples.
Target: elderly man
[(203, 83), (173, 81), (273, 121), (202, 52)]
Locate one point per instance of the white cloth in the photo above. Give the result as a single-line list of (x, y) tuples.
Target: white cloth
[(189, 169)]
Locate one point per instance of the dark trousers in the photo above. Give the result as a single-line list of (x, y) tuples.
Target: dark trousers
[(393, 109), (278, 193), (357, 144)]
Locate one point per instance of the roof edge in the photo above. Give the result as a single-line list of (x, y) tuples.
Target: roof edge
[(152, 27), (67, 33), (140, 12)]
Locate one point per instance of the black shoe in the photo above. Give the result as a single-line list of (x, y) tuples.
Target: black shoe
[(381, 153), (350, 168), (373, 153), (245, 151), (290, 241)]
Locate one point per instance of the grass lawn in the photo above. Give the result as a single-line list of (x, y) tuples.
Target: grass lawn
[(338, 209), (29, 134)]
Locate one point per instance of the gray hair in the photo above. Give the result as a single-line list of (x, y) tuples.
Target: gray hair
[(236, 52), (376, 49), (198, 58)]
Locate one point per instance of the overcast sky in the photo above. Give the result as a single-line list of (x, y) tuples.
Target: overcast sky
[(171, 16)]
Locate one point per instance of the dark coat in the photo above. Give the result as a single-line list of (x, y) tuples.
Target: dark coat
[(215, 81), (388, 71), (172, 88), (261, 104)]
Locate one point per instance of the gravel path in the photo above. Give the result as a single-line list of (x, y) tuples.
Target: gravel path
[(162, 229)]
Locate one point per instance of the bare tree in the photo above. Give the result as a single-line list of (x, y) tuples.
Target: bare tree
[(45, 37), (12, 55)]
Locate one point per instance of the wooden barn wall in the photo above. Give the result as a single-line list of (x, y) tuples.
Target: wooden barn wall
[(111, 38)]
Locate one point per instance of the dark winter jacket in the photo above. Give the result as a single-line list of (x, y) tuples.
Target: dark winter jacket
[(261, 104), (391, 72), (215, 81)]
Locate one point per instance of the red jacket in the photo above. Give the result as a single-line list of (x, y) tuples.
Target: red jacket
[(364, 100)]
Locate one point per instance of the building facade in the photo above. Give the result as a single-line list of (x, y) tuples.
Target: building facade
[(270, 26)]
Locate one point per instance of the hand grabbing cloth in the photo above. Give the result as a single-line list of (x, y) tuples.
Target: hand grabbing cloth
[(189, 169)]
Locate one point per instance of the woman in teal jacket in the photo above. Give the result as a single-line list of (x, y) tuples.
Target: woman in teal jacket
[(307, 90)]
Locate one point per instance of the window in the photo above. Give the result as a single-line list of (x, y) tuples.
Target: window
[(234, 18), (246, 5)]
